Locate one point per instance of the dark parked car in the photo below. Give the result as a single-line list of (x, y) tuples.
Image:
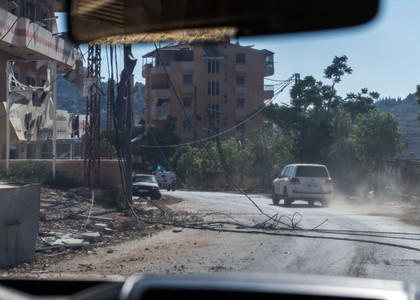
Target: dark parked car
[(146, 185)]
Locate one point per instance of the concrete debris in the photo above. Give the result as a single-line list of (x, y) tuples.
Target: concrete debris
[(79, 216), (64, 229)]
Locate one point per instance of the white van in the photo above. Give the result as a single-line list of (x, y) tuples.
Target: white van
[(166, 180)]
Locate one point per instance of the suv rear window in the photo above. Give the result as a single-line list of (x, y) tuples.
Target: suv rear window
[(311, 171)]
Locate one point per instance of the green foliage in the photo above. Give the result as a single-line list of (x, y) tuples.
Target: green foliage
[(272, 150), (377, 137), (29, 172), (418, 100), (360, 103), (157, 137), (322, 127)]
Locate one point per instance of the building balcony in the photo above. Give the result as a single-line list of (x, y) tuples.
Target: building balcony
[(188, 65), (36, 42), (241, 89), (160, 70), (188, 89), (268, 92), (241, 68), (161, 93)]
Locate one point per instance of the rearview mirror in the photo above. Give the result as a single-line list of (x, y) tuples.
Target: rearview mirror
[(91, 20)]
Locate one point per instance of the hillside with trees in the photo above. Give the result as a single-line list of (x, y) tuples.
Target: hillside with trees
[(405, 110)]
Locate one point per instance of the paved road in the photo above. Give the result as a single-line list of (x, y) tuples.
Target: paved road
[(349, 243)]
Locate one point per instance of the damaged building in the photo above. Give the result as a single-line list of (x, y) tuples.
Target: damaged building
[(32, 53)]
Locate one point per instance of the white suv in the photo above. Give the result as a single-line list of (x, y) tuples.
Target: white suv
[(308, 182)]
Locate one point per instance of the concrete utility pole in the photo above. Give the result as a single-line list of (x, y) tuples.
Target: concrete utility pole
[(8, 80), (128, 160), (53, 72)]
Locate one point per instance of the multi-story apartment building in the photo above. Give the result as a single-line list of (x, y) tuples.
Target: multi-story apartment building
[(216, 84), (32, 51)]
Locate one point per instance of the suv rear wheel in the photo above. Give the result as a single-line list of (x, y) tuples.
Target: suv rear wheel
[(287, 201), (274, 197)]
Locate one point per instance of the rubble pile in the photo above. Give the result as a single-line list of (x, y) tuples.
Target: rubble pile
[(70, 225)]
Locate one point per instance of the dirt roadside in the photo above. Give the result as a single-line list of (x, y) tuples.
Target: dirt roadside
[(66, 231)]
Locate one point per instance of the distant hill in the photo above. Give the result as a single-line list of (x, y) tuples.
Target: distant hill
[(406, 112), (70, 98)]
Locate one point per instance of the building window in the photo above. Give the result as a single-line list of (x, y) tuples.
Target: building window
[(240, 80), (187, 79), (213, 66), (187, 102), (12, 7), (30, 9), (30, 80), (269, 61), (213, 110), (240, 102), (211, 49), (213, 88), (240, 58), (186, 55), (44, 17)]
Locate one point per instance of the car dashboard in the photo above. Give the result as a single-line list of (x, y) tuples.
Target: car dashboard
[(232, 287)]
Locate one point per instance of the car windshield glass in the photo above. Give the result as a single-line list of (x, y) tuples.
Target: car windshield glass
[(149, 179), (311, 171), (167, 156)]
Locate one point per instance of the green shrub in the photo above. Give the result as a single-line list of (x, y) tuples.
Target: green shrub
[(29, 172)]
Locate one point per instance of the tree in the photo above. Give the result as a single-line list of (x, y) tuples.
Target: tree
[(157, 137), (334, 72), (377, 138), (417, 94), (360, 103), (272, 150)]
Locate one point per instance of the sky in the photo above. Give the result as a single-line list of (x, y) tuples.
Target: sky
[(384, 54)]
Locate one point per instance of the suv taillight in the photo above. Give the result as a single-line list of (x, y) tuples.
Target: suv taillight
[(329, 181), (295, 180)]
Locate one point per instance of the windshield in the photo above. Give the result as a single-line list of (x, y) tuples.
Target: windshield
[(311, 171), (217, 123), (145, 178)]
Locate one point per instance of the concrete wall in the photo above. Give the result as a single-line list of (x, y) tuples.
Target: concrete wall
[(18, 223), (73, 170)]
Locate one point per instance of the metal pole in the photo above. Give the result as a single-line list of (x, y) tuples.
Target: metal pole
[(8, 68), (53, 66)]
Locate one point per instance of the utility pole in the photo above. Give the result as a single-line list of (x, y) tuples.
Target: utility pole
[(93, 117), (8, 81), (123, 113), (129, 166)]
